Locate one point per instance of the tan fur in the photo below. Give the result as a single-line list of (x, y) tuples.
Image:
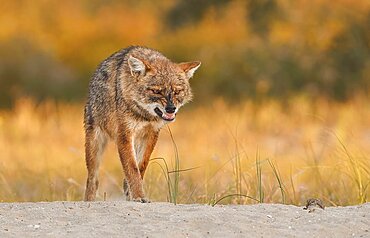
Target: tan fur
[(132, 95)]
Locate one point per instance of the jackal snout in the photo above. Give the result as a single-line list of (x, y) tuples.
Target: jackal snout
[(170, 108)]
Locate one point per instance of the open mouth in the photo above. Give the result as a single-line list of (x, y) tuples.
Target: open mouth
[(164, 115)]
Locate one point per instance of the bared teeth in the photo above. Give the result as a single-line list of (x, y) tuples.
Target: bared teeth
[(169, 116)]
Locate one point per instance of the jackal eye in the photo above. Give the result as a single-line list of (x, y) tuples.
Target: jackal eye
[(155, 90)]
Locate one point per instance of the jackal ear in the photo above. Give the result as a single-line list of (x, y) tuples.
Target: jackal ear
[(189, 68), (137, 66)]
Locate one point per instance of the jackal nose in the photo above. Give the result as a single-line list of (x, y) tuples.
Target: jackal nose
[(170, 108)]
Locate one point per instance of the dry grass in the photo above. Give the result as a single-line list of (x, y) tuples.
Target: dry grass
[(245, 153)]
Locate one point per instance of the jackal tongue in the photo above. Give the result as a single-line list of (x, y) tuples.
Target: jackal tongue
[(168, 116)]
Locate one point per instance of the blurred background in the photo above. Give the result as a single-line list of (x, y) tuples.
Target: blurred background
[(281, 111), (249, 49)]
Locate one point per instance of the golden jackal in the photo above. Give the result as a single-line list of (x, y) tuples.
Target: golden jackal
[(132, 95)]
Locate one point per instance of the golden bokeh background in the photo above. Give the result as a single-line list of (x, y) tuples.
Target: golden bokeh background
[(281, 110)]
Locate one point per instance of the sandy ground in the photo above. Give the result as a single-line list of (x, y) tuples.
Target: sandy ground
[(129, 219)]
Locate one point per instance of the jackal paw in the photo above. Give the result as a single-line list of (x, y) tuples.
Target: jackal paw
[(142, 200)]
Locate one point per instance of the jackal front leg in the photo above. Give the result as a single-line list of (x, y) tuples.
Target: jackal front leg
[(151, 138), (130, 167), (143, 149)]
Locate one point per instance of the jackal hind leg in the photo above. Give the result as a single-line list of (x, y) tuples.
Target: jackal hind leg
[(94, 147)]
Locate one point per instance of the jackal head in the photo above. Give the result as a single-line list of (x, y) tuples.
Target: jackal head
[(162, 86)]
